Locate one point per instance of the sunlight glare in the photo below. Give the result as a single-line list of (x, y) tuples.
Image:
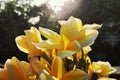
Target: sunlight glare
[(38, 2), (56, 5)]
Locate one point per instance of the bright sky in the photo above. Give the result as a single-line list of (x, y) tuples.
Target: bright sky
[(38, 2), (57, 6), (54, 4)]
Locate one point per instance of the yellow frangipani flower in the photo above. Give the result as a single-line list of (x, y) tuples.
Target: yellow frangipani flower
[(38, 65), (44, 75), (86, 50), (102, 68), (76, 74), (25, 42), (54, 42), (56, 68), (47, 58), (15, 70), (58, 72), (73, 29), (72, 37)]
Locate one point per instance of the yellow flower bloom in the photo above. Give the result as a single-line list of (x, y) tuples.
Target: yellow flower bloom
[(55, 41), (102, 68), (44, 75), (46, 56), (76, 74), (58, 72), (56, 68), (72, 37), (73, 29), (25, 42), (38, 65), (15, 70)]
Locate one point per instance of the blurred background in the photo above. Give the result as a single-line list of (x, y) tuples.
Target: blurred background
[(19, 15)]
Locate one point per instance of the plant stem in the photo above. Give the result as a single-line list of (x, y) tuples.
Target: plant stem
[(45, 56)]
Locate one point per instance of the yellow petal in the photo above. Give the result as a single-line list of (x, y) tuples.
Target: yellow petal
[(22, 44), (86, 49), (68, 30), (66, 53), (103, 68), (75, 75), (3, 74), (12, 71), (25, 69), (74, 46), (57, 67), (86, 37), (76, 22), (79, 55), (48, 44), (63, 42), (25, 42), (91, 26), (97, 68), (44, 75), (106, 78), (61, 22), (72, 21), (50, 34), (33, 35), (17, 65), (39, 65), (90, 70)]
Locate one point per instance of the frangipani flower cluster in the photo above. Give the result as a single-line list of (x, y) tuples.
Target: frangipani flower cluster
[(60, 56)]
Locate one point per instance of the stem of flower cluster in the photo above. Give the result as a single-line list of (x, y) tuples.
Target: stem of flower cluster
[(45, 56)]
